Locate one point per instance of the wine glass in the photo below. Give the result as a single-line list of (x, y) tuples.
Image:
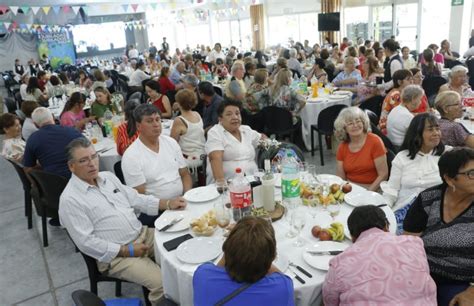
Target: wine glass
[(223, 215), (334, 209), (298, 221), (222, 188)]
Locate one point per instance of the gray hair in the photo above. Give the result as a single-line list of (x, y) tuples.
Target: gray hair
[(42, 116), (80, 142), (145, 110), (346, 115), (179, 64), (191, 79), (235, 66), (293, 52), (349, 59), (411, 92), (457, 69), (445, 98)]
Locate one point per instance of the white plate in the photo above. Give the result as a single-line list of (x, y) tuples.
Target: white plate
[(364, 197), (170, 215), (281, 262), (201, 194), (199, 250), (321, 262), (343, 93), (331, 179), (336, 97), (312, 100)]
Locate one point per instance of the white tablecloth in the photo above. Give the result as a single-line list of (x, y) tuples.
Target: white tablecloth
[(177, 276), (469, 125), (309, 114)]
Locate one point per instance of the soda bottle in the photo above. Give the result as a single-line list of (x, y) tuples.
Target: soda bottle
[(240, 195)]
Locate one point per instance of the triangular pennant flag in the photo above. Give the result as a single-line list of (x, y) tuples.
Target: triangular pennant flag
[(3, 9), (14, 9), (35, 9), (25, 9), (153, 6), (66, 9), (134, 7), (46, 9), (125, 8), (85, 9), (7, 25), (56, 9), (76, 9), (28, 26)]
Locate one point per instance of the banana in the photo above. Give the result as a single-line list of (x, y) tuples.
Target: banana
[(332, 232), (337, 194)]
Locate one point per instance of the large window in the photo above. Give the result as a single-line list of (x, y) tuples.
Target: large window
[(283, 28), (356, 20), (246, 33), (234, 33), (406, 22), (434, 22), (197, 34), (309, 28), (222, 32), (382, 18)]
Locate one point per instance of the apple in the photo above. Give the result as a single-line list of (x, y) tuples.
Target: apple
[(316, 230), (346, 188), (334, 188), (324, 235)]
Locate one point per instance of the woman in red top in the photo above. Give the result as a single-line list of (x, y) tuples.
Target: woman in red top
[(127, 132), (164, 81), (161, 101)]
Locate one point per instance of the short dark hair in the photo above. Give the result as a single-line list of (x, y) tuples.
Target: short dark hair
[(414, 136), (27, 107), (186, 99), (40, 74), (7, 120), (153, 85), (145, 110), (450, 162), (206, 88), (366, 217), (54, 80), (399, 76), (249, 250), (320, 62), (391, 45), (228, 102), (324, 54), (219, 61), (80, 142)]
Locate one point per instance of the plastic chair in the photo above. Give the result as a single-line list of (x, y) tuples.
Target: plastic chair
[(218, 91), (261, 155), (374, 119), (374, 104), (50, 187), (388, 144), (27, 191), (432, 84), (135, 95), (325, 126), (278, 121), (118, 171), (87, 298), (255, 121)]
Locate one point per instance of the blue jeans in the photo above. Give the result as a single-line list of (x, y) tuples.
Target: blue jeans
[(400, 215)]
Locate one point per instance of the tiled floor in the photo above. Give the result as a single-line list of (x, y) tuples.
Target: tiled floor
[(37, 276)]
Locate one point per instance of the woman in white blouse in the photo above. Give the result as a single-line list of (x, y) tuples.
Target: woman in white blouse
[(230, 145), (13, 145), (415, 168)]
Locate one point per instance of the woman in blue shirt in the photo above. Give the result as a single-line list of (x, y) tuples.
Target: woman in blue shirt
[(248, 255)]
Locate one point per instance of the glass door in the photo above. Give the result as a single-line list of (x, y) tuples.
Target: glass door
[(382, 21)]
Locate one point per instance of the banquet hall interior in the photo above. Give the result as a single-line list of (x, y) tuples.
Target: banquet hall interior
[(311, 82)]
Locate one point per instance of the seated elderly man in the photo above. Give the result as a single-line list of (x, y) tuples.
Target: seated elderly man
[(235, 88), (154, 164), (293, 63), (177, 73), (99, 215)]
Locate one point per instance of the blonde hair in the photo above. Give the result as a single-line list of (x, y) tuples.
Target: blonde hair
[(282, 78), (346, 115), (260, 76), (444, 98)]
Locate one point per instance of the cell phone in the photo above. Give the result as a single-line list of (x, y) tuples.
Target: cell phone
[(378, 80), (172, 244)]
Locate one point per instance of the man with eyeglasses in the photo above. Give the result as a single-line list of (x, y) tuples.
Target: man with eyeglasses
[(98, 212)]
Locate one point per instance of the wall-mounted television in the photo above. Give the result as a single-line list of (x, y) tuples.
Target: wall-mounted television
[(329, 22)]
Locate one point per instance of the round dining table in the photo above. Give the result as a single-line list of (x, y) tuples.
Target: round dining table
[(177, 275)]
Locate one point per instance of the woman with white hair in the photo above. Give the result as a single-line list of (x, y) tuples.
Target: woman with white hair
[(235, 88), (458, 82), (293, 64), (361, 156), (448, 104), (349, 77), (400, 117)]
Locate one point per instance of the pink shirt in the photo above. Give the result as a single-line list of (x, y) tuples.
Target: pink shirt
[(70, 119), (380, 269)]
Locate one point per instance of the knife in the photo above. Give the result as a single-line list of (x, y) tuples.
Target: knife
[(173, 222), (297, 276), (301, 269), (325, 252)]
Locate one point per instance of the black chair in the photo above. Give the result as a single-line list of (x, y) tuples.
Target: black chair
[(279, 122), (456, 54), (388, 144), (432, 84), (295, 73), (49, 187), (218, 91), (86, 298), (374, 119), (136, 95), (27, 191), (255, 121), (11, 104), (470, 67), (118, 171), (325, 126), (374, 104), (95, 276), (414, 54), (262, 155)]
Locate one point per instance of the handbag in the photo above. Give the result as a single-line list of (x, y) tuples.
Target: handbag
[(232, 295)]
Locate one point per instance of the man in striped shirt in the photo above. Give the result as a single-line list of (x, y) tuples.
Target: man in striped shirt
[(98, 213)]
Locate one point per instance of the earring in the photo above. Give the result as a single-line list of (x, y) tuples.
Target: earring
[(454, 188)]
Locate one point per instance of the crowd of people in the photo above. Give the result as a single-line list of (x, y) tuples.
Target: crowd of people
[(427, 181)]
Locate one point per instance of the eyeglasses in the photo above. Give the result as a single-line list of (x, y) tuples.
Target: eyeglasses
[(457, 104), (469, 174), (86, 160), (353, 123)]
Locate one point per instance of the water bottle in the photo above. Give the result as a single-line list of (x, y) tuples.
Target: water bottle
[(240, 195), (108, 115), (268, 188), (290, 181)]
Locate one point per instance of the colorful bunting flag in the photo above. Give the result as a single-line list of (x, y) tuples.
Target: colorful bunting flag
[(7, 25), (56, 9), (66, 9), (134, 7), (153, 6), (76, 9), (35, 9), (25, 9), (3, 9), (125, 7), (85, 9), (46, 9), (14, 9)]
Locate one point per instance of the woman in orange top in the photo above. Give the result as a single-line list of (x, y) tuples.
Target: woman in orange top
[(127, 132), (361, 156), (401, 79)]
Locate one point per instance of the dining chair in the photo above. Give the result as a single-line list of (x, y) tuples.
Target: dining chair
[(26, 189), (87, 298), (279, 122), (374, 119), (431, 87), (50, 187), (118, 171), (325, 126), (374, 104)]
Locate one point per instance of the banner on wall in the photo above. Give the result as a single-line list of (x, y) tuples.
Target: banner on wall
[(58, 46)]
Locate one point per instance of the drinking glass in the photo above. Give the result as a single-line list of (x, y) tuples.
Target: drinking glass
[(258, 174), (290, 207), (223, 215), (298, 221), (334, 210), (222, 187)]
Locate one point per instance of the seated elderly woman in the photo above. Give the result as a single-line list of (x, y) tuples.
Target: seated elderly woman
[(415, 167), (188, 129), (318, 71), (443, 216), (230, 145), (365, 88), (364, 275), (257, 94), (235, 88), (458, 82), (361, 155), (280, 64), (127, 131), (448, 104), (73, 114), (245, 274), (13, 145), (283, 95), (400, 117), (349, 77)]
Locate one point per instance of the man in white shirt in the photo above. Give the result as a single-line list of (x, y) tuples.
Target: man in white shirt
[(154, 163), (99, 215), (133, 53)]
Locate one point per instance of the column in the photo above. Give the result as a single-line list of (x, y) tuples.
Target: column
[(257, 26), (331, 6)]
